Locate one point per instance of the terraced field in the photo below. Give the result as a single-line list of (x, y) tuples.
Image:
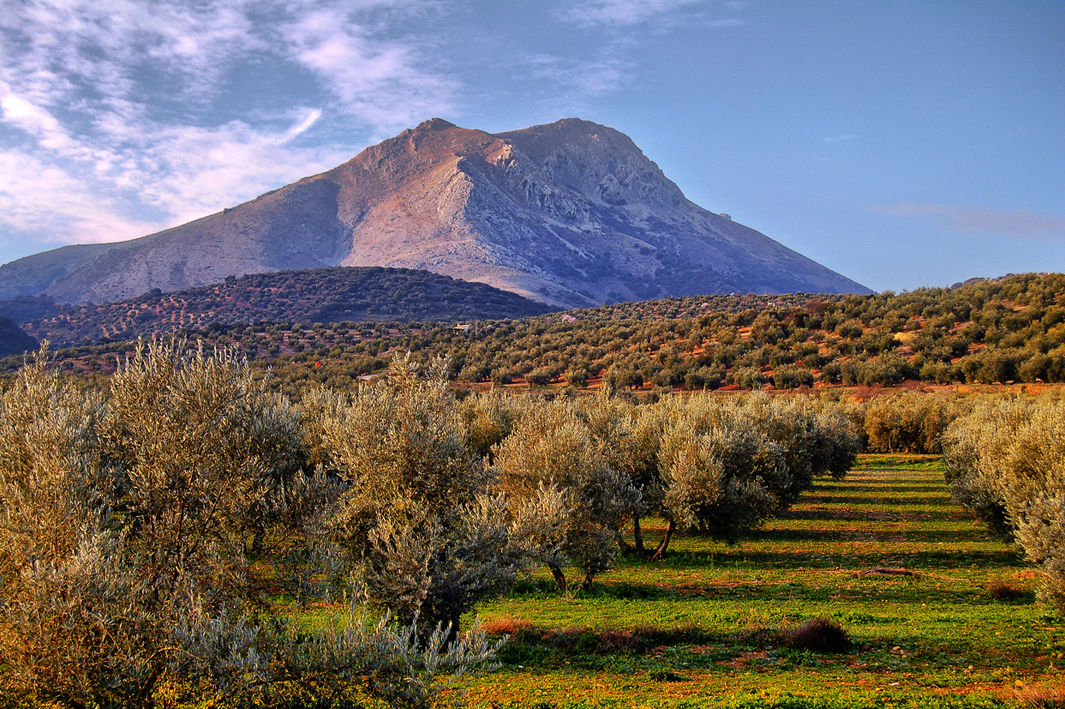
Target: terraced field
[(939, 614)]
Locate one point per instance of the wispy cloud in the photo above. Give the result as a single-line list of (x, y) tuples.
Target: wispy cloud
[(1021, 223), (838, 138), (580, 80), (123, 117), (628, 13), (379, 80)]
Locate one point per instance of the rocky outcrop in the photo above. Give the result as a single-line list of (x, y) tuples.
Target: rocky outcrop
[(570, 213)]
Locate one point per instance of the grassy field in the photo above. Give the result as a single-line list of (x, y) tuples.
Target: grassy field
[(939, 614)]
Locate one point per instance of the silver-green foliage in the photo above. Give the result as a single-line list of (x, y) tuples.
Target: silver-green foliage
[(566, 502), (726, 465), (1006, 462), (125, 523), (422, 534), (910, 422), (73, 625)]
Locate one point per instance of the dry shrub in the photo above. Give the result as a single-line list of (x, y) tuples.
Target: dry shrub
[(820, 635), (1042, 696), (1006, 591), (507, 625)]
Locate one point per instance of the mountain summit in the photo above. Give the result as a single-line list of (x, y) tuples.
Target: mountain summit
[(570, 213)]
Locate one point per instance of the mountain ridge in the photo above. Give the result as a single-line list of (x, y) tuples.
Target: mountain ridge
[(569, 213)]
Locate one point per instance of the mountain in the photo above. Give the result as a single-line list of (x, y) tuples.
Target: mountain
[(570, 213), (324, 295)]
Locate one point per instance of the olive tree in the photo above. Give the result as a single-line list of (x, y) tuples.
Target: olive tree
[(417, 524), (1006, 462), (566, 503), (630, 437), (727, 465), (74, 628)]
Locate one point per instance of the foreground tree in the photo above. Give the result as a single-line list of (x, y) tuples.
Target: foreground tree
[(418, 526), (1006, 463), (566, 503), (630, 437)]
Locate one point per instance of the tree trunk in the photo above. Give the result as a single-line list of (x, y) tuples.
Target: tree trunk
[(638, 534), (560, 578), (660, 552), (258, 543), (453, 628)]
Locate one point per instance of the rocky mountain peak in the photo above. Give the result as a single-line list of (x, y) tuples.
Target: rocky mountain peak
[(434, 124)]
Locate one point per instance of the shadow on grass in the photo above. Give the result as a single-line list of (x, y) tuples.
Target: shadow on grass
[(930, 488), (858, 534), (877, 501), (799, 560)]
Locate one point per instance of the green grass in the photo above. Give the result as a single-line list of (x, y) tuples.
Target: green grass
[(708, 626)]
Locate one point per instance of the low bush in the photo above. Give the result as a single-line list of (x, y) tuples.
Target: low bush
[(1006, 591), (820, 635)]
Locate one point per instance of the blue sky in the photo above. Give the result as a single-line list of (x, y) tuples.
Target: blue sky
[(903, 144)]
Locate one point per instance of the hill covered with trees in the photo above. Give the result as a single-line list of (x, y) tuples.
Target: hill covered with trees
[(1005, 330), (318, 295)]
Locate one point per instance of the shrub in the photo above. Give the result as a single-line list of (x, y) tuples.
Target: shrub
[(1006, 591), (820, 635)]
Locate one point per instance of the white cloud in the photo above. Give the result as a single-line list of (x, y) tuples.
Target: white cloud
[(621, 13), (629, 13), (36, 197), (123, 117), (1021, 223), (379, 80), (838, 138), (581, 80), (303, 126)]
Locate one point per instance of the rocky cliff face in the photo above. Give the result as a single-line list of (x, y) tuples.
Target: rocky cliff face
[(571, 214)]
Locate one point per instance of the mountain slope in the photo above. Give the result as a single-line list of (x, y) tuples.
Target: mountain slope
[(570, 213)]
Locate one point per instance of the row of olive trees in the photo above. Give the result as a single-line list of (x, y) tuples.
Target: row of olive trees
[(1006, 462), (134, 529), (589, 469)]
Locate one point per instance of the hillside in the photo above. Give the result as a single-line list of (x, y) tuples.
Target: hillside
[(13, 340), (984, 332), (313, 296), (571, 214)]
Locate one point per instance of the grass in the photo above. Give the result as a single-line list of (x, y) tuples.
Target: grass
[(938, 614)]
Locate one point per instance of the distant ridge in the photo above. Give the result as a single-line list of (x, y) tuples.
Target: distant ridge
[(304, 297), (570, 213)]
